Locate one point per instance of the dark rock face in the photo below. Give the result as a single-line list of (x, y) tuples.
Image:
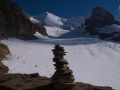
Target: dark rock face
[(3, 69), (15, 23), (99, 18), (4, 51), (4, 54)]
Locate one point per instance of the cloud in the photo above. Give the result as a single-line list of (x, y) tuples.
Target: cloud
[(119, 8), (117, 16)]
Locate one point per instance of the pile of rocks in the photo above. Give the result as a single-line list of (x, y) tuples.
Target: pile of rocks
[(62, 78)]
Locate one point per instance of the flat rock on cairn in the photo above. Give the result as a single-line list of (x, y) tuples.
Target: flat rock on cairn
[(62, 78)]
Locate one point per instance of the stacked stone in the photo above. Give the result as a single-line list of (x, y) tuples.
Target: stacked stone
[(62, 78)]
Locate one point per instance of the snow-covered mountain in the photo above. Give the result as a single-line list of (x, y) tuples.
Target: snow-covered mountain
[(50, 19), (75, 22), (100, 22)]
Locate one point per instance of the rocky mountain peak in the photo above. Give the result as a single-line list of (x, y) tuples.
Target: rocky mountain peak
[(11, 7), (50, 19), (102, 15), (99, 17), (102, 23)]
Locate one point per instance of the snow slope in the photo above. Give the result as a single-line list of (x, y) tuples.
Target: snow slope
[(50, 19), (92, 60), (75, 22), (55, 31), (33, 20), (109, 29)]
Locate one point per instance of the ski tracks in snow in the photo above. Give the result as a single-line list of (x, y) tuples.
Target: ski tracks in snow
[(23, 58)]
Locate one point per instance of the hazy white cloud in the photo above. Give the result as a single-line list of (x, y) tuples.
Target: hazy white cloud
[(117, 13), (119, 8)]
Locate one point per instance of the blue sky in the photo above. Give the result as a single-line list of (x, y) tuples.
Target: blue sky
[(68, 8)]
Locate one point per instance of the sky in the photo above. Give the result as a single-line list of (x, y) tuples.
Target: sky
[(68, 8)]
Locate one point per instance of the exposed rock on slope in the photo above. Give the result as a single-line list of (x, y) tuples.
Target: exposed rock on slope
[(102, 23), (4, 51), (15, 23), (3, 69), (99, 19)]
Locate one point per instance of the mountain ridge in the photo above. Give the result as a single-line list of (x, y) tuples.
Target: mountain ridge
[(70, 24), (16, 23), (50, 19), (94, 23)]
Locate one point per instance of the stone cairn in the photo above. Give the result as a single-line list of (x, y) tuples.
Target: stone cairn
[(62, 78)]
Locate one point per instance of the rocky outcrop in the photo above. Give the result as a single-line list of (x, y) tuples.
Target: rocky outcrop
[(3, 69), (15, 23), (102, 23), (99, 18), (4, 54), (4, 51)]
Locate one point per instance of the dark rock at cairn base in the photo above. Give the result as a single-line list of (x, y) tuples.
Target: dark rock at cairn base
[(62, 78)]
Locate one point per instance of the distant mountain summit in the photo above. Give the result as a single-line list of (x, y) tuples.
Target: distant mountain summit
[(50, 19), (99, 17), (102, 23)]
